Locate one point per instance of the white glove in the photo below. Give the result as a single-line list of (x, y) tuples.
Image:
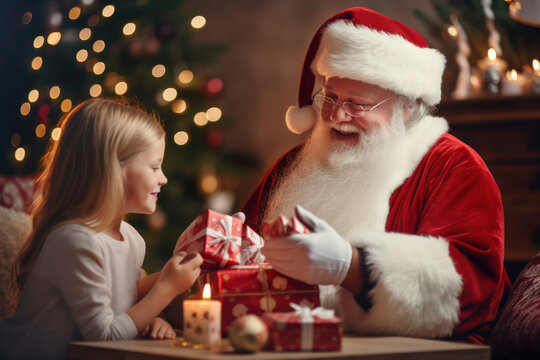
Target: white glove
[(240, 215), (320, 257)]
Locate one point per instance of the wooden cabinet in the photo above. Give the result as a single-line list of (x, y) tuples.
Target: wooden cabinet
[(506, 133)]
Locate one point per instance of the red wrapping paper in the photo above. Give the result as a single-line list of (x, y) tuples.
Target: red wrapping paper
[(255, 290), (217, 237), (291, 332), (283, 226)]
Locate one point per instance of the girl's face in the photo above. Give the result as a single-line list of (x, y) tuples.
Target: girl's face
[(144, 179)]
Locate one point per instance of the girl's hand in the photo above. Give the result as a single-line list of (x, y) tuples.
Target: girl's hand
[(179, 273), (159, 329)]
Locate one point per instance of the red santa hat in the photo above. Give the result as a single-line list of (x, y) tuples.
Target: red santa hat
[(361, 44)]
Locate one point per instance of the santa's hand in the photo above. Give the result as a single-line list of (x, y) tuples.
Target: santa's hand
[(319, 257), (240, 216)]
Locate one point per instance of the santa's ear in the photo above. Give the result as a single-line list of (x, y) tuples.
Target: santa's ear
[(300, 120)]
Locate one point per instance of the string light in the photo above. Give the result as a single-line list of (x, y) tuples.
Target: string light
[(209, 184), (198, 22), (85, 34), (54, 92), (181, 138), (33, 95), (40, 130), (158, 71), (25, 108), (81, 55), (74, 13), (95, 90), (26, 18), (65, 105), (98, 46), (213, 114), (55, 133), (39, 41), (98, 68), (20, 153), (15, 140), (129, 29), (200, 119), (54, 38), (108, 11), (120, 88), (536, 65), (37, 62), (179, 106), (169, 94), (185, 77)]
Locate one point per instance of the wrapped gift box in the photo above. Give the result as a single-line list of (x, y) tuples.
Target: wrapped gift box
[(216, 236), (251, 254), (255, 290), (305, 329), (283, 226)]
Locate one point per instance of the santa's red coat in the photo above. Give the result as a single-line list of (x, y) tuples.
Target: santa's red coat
[(437, 265)]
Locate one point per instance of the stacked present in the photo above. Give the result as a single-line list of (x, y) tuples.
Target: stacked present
[(235, 269), (304, 329)]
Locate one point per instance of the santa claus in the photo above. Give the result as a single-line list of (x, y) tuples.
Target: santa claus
[(407, 221)]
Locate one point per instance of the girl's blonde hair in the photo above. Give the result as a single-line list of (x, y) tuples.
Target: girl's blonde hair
[(82, 179)]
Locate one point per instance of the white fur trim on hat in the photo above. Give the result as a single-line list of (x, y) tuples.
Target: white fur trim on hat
[(387, 60), (300, 120)]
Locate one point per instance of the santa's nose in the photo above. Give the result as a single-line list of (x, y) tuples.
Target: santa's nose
[(339, 114)]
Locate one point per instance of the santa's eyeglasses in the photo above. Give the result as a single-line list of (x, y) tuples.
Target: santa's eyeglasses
[(326, 103)]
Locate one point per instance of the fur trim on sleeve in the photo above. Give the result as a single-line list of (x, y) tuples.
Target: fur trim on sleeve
[(416, 290)]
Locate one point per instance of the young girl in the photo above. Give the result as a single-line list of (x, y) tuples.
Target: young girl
[(79, 270)]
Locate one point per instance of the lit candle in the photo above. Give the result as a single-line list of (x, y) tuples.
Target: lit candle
[(202, 319), (535, 79), (491, 61), (513, 84)]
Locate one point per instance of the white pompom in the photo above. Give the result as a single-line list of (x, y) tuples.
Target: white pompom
[(300, 120)]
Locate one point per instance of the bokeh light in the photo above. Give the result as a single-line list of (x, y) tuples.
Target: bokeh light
[(95, 90), (198, 22), (85, 34), (98, 46), (158, 71), (39, 41), (213, 114), (33, 95), (82, 55), (55, 133), (169, 94), (25, 108), (74, 13), (26, 18), (179, 106), (200, 119), (108, 11), (65, 105), (185, 77), (41, 129), (20, 153), (37, 62), (181, 138), (15, 139), (129, 29), (54, 92), (98, 68), (54, 38), (120, 88)]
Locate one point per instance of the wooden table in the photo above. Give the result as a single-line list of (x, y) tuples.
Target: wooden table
[(380, 348)]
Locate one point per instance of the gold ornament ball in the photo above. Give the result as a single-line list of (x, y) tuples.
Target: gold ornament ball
[(248, 333)]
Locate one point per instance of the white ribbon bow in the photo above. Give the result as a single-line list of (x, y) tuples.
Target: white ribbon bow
[(225, 240), (307, 315)]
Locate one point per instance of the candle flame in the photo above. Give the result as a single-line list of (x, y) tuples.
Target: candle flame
[(536, 64), (492, 55), (206, 291), (512, 75)]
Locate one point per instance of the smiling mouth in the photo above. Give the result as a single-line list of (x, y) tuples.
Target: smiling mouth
[(343, 134)]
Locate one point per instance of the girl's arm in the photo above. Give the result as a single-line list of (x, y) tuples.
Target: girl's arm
[(178, 274), (145, 284)]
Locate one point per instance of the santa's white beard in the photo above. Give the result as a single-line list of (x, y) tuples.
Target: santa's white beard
[(341, 182)]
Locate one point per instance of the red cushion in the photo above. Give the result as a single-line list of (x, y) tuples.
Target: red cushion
[(517, 333), (16, 192)]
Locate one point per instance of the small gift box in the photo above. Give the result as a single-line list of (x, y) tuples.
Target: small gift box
[(256, 290), (252, 243), (304, 329), (283, 226), (217, 237)]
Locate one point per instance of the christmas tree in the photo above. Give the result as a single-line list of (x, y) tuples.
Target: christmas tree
[(63, 52)]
